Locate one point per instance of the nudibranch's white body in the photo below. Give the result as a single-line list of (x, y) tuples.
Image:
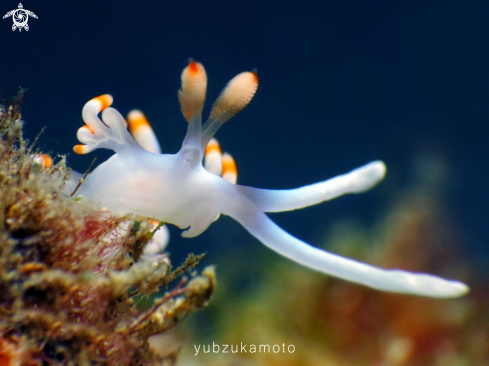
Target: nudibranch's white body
[(139, 184), (176, 189)]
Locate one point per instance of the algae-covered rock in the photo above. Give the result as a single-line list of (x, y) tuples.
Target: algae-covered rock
[(69, 274)]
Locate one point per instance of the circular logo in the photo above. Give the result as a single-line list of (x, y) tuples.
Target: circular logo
[(20, 17)]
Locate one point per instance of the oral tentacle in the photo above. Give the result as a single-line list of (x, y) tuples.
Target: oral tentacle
[(356, 181), (265, 230)]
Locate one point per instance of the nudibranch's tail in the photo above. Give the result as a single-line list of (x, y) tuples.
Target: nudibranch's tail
[(142, 132), (192, 97), (96, 134), (233, 98), (220, 164), (356, 181), (260, 226)]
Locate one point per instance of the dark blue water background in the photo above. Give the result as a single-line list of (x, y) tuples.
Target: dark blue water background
[(341, 83)]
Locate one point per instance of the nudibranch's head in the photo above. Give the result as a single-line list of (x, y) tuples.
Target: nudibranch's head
[(110, 131), (234, 97)]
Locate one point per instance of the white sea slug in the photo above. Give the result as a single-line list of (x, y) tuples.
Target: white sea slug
[(177, 189)]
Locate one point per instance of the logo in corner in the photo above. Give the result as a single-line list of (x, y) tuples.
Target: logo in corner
[(20, 17)]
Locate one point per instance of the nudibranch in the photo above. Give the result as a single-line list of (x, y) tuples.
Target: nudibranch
[(178, 190)]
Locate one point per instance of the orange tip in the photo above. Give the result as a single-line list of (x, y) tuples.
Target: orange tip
[(193, 67), (103, 101), (212, 157), (80, 149), (43, 160), (88, 128), (213, 146), (142, 132), (229, 171), (136, 119)]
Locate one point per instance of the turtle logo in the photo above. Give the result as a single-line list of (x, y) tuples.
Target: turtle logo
[(20, 17)]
